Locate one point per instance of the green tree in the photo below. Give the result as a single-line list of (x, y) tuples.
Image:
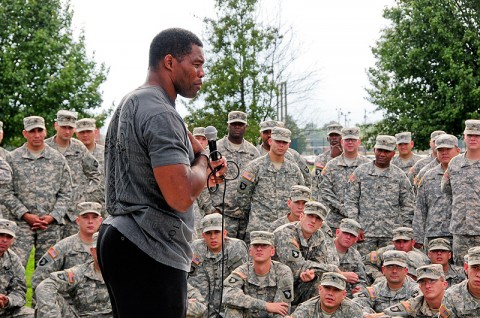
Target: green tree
[(43, 66), (426, 75)]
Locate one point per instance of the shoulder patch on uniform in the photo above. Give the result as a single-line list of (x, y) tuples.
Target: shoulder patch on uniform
[(373, 256), (371, 292), (295, 254), (306, 170), (71, 277), (243, 185), (320, 165), (52, 252), (415, 293), (196, 260), (61, 276), (242, 275), (395, 309), (294, 242), (232, 280), (247, 175), (43, 261), (444, 312), (287, 293)]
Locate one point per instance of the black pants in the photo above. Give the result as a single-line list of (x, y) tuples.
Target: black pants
[(139, 286)]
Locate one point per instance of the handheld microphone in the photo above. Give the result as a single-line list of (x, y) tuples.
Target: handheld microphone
[(211, 134)]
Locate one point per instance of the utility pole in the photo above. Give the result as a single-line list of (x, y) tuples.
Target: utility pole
[(282, 102)]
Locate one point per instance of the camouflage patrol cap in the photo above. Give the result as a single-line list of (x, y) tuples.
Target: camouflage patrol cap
[(1, 126), (434, 135), (85, 124), (474, 256), (350, 226), (403, 137), (299, 192), (472, 127), (33, 122), (403, 233), (237, 117), (351, 133), (281, 134), (94, 239), (334, 128), (446, 141), (270, 124), (89, 207), (432, 271), (261, 237), (198, 131), (385, 142), (66, 118), (439, 244), (314, 207), (394, 257), (212, 222), (8, 227), (334, 279)]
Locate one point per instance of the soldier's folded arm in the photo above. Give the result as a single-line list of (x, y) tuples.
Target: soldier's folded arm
[(234, 296)]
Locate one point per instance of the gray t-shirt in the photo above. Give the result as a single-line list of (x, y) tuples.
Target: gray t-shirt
[(146, 132)]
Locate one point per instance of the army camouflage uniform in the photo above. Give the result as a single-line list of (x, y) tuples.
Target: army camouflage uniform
[(67, 253), (85, 287), (352, 261), (263, 191), (454, 275), (196, 306), (311, 309), (419, 165), (40, 186), (14, 286), (206, 274), (99, 154), (292, 249), (379, 202), (246, 295), (458, 302), (3, 153), (333, 186), (320, 162), (86, 179), (412, 308), (433, 208), (407, 164), (432, 164), (5, 180)]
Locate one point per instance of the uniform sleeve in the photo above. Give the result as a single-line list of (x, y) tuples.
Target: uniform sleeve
[(17, 288), (447, 309), (234, 296), (284, 292), (420, 213), (446, 185), (7, 192), (326, 188), (91, 171), (364, 299), (64, 195), (196, 305), (246, 186), (406, 201), (205, 202), (402, 309), (352, 196), (50, 262)]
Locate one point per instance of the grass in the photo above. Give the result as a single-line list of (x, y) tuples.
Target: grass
[(28, 274)]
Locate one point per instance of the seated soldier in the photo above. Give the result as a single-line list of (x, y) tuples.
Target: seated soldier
[(432, 283), (85, 286), (13, 286), (260, 287), (72, 250), (196, 304), (396, 287), (402, 241), (351, 263), (208, 261), (440, 252), (303, 247), (332, 301), (463, 299)]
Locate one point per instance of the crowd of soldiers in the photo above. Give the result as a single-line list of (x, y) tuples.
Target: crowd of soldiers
[(398, 236)]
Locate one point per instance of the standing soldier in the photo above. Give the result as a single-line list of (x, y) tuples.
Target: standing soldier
[(379, 197), (261, 287), (13, 286), (335, 175), (405, 158), (234, 148), (212, 254), (86, 178), (440, 252), (461, 182), (433, 208), (40, 192), (265, 183), (85, 131)]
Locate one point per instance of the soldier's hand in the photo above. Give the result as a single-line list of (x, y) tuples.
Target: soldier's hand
[(307, 275), (278, 308), (356, 289), (47, 218), (351, 277), (3, 301), (35, 222)]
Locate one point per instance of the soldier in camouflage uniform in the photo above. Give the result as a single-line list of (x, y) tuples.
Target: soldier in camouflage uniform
[(460, 181), (3, 152), (206, 274), (5, 180), (405, 158), (431, 281), (13, 286), (299, 195), (291, 154), (395, 288), (262, 287), (334, 137), (335, 175), (40, 192), (265, 183), (234, 148), (433, 208), (72, 250), (85, 131), (85, 286), (87, 182), (196, 306), (303, 247), (379, 197), (463, 300), (351, 263), (402, 241), (440, 252)]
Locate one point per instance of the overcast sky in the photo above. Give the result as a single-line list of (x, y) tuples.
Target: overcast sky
[(334, 36)]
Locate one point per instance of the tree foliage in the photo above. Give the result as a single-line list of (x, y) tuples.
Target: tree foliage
[(426, 75), (43, 67)]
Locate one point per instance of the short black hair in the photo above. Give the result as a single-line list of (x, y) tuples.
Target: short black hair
[(175, 41)]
